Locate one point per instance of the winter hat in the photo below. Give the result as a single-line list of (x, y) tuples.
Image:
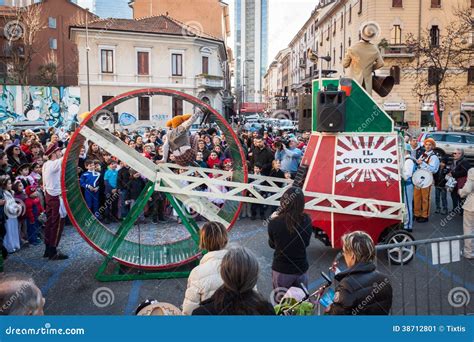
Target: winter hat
[(30, 189)]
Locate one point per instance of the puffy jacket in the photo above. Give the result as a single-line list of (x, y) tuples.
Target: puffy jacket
[(468, 191), (362, 290), (203, 281)]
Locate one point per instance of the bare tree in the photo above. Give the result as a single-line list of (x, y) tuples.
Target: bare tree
[(23, 45), (441, 57)]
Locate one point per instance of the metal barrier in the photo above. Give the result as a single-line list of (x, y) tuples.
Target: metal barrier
[(438, 280)]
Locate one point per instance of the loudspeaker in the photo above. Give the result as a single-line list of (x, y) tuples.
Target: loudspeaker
[(331, 114)]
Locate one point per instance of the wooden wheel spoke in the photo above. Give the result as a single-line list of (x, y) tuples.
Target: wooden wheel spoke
[(119, 149)]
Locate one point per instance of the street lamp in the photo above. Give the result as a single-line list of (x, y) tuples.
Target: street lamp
[(87, 62)]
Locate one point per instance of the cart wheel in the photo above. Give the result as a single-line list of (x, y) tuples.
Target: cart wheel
[(400, 255)]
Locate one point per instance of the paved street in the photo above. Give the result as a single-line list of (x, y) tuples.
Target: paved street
[(69, 285)]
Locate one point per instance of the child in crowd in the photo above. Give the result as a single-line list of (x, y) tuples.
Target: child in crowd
[(200, 160), (110, 179), (20, 197), (36, 171), (23, 175), (213, 160), (123, 184), (33, 211), (257, 207), (12, 210), (441, 198), (137, 184), (90, 182)]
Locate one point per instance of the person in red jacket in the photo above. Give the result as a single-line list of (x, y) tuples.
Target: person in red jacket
[(33, 210), (213, 160)]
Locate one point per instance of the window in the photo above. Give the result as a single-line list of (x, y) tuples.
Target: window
[(52, 22), (397, 115), (342, 20), (340, 52), (334, 56), (334, 31), (177, 64), (143, 108), (350, 13), (305, 37), (106, 98), (434, 35), (395, 73), (53, 43), (143, 63), (177, 107), (470, 75), (433, 76), (469, 138), (436, 136), (454, 138), (427, 119), (397, 3), (205, 65), (435, 3), (107, 61), (360, 7), (396, 35), (349, 42)]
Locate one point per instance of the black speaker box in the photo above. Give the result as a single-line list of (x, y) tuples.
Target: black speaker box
[(331, 115)]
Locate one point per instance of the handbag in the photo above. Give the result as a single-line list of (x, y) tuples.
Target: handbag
[(461, 182)]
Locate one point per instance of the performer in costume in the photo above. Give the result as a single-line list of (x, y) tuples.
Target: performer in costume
[(364, 57), (52, 186), (178, 140), (430, 162), (408, 168)]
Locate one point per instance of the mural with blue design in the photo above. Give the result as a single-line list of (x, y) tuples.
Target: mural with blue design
[(47, 106)]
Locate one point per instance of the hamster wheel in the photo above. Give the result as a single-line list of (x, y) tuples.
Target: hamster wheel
[(115, 244)]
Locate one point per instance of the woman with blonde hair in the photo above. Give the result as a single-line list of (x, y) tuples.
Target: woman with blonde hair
[(205, 278)]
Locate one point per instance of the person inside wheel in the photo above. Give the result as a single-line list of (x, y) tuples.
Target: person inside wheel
[(177, 139), (362, 290)]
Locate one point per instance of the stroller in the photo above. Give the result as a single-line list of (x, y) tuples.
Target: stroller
[(299, 302)]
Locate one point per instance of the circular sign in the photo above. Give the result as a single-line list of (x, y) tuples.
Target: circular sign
[(14, 30)]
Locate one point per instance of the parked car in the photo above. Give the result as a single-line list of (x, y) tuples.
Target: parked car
[(447, 142), (286, 125)]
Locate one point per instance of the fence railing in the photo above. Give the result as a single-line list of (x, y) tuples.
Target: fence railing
[(438, 280)]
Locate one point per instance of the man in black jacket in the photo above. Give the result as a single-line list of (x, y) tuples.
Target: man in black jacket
[(123, 185), (362, 290), (261, 155)]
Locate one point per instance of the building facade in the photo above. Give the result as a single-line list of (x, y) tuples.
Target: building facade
[(277, 81), (334, 27), (53, 54), (209, 16), (251, 49), (129, 54)]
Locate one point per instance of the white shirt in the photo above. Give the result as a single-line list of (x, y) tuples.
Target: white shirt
[(52, 177), (408, 167)]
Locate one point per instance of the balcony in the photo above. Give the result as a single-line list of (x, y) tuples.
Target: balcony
[(210, 81), (397, 51)]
